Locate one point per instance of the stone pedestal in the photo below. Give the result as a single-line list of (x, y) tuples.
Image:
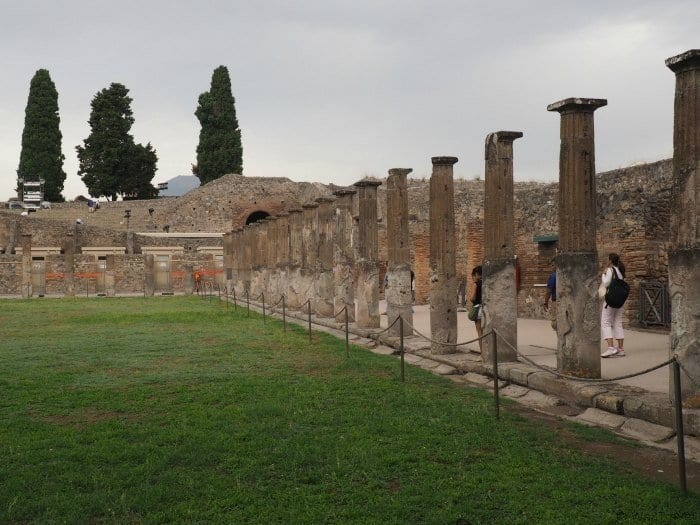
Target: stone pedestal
[(684, 252), (578, 305), (443, 279), (367, 274), (499, 294), (399, 302)]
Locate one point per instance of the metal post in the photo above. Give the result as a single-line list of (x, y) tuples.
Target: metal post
[(347, 333), (494, 353), (247, 302), (403, 373), (284, 314), (87, 288), (235, 303), (226, 295), (309, 311), (679, 424), (262, 294)]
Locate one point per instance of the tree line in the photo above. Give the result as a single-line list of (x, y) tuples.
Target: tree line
[(110, 163)]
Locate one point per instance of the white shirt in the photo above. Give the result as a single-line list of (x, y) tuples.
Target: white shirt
[(607, 275)]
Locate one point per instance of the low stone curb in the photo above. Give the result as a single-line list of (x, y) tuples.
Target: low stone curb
[(606, 398)]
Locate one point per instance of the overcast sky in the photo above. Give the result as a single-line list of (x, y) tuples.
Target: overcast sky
[(331, 91)]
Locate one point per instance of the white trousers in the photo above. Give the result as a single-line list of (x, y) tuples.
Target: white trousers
[(611, 323)]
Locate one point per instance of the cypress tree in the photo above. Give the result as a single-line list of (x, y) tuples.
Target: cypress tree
[(219, 150), (110, 164), (41, 156)]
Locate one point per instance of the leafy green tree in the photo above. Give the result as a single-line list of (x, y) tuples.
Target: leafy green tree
[(219, 150), (110, 164), (41, 156)]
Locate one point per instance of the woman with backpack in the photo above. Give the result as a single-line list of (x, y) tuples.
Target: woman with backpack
[(611, 318)]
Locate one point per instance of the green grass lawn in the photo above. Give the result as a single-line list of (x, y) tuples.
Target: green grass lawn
[(177, 410)]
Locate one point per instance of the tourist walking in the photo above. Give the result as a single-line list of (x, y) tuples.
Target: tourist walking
[(475, 313), (552, 294), (611, 318)]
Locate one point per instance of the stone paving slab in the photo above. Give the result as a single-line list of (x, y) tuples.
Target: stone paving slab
[(537, 399), (445, 370), (645, 431), (477, 378), (601, 418), (514, 391), (382, 350)]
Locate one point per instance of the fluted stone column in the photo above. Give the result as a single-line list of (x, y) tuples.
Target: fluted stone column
[(578, 305), (69, 265), (247, 264), (149, 282), (26, 242), (271, 273), (323, 298), (443, 278), (307, 276), (367, 282), (684, 252), (283, 240), (343, 272), (228, 260), (296, 247), (399, 302), (110, 290), (500, 302), (259, 253)]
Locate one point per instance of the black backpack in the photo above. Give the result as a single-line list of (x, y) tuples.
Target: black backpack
[(617, 291)]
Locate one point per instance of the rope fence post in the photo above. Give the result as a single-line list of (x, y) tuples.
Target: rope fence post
[(226, 292), (235, 304), (262, 294), (347, 334), (403, 373), (247, 301), (284, 313), (309, 314), (494, 353), (87, 288), (679, 424)]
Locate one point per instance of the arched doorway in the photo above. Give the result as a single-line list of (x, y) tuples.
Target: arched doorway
[(256, 216)]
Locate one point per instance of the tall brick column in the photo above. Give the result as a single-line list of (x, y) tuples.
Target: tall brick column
[(69, 265), (578, 272), (26, 242), (247, 260), (271, 278), (296, 258), (399, 302), (323, 298), (500, 304), (343, 272), (282, 254), (367, 282), (684, 250)]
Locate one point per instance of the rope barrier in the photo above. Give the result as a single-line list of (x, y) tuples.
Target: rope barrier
[(587, 380), (454, 345)]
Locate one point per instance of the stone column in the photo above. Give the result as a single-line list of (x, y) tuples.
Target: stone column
[(26, 243), (578, 305), (367, 282), (343, 273), (69, 263), (257, 258), (323, 298), (188, 278), (399, 302), (296, 246), (443, 276), (282, 254), (148, 277), (228, 260), (500, 304), (271, 280), (110, 290), (684, 252), (247, 259), (307, 276)]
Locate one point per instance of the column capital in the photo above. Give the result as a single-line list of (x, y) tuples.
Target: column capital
[(685, 61), (577, 105), (367, 183), (342, 192), (444, 161), (504, 136), (400, 171), (309, 205), (324, 199)]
